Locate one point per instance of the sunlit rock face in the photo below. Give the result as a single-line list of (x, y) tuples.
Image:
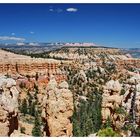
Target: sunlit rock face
[(113, 102), (57, 109), (133, 88), (8, 106), (14, 64)]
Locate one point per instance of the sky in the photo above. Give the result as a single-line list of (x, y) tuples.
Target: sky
[(112, 25)]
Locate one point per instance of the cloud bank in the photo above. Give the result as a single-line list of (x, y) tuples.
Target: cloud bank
[(11, 38), (71, 9), (59, 10)]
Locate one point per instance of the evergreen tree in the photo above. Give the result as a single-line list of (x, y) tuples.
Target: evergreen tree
[(37, 126), (108, 123), (36, 91), (76, 126), (24, 107), (30, 98), (32, 109), (87, 118)]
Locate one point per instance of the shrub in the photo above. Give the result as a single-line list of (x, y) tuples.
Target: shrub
[(122, 92), (24, 107), (107, 132), (120, 110), (22, 130)]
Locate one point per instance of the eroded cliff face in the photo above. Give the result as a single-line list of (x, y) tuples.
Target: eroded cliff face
[(111, 102), (57, 109), (8, 106), (122, 108), (14, 64)]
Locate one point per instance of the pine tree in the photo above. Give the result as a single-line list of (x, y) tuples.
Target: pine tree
[(108, 123), (37, 126), (32, 109), (87, 118), (36, 91), (24, 107), (76, 126)]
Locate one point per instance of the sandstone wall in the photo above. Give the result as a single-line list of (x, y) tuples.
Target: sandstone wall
[(111, 101), (120, 108), (129, 62), (57, 109), (14, 63), (8, 106), (28, 68)]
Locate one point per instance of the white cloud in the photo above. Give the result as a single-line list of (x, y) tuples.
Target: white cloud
[(12, 33), (51, 9), (32, 32), (20, 44), (11, 38), (33, 44), (71, 9)]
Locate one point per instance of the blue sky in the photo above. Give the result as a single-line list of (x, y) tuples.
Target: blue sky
[(114, 25)]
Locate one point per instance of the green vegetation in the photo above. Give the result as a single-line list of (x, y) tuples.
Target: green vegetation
[(86, 119), (120, 110), (107, 132), (37, 126), (22, 130), (31, 111), (87, 116), (24, 108), (138, 131), (122, 91), (108, 123), (36, 112)]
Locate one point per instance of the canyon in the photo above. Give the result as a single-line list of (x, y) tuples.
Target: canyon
[(56, 92), (23, 70)]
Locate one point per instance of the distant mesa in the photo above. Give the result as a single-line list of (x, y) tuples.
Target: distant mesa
[(20, 44), (30, 44), (58, 44), (34, 44), (80, 44)]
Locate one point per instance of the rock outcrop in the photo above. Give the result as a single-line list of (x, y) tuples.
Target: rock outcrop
[(11, 63), (8, 106), (111, 103), (122, 109), (17, 133), (131, 104), (84, 53), (57, 109)]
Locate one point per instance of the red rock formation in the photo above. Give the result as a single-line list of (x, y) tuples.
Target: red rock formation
[(31, 68), (57, 109), (8, 106), (129, 62)]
